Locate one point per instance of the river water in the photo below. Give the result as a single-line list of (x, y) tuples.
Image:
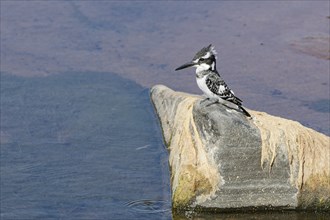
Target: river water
[(72, 149), (79, 137)]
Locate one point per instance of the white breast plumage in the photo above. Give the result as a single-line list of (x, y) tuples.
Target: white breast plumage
[(201, 82)]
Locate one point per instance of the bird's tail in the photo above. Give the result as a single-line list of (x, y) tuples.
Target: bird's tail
[(244, 111)]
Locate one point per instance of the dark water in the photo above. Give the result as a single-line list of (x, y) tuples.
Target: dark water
[(80, 146), (287, 215)]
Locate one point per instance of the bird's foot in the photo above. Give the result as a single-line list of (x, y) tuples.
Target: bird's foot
[(206, 99)]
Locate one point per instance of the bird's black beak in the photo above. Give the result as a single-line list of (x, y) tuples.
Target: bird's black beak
[(186, 65)]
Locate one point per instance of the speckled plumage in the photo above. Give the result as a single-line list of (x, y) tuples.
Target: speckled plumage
[(219, 87), (209, 80)]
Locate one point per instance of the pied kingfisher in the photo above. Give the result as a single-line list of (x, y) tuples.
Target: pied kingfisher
[(210, 81)]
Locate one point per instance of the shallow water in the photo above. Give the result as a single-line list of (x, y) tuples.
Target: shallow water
[(273, 54)]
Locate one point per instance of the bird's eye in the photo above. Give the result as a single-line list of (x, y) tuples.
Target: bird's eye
[(201, 59)]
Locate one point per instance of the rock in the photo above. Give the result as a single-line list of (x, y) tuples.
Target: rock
[(220, 159)]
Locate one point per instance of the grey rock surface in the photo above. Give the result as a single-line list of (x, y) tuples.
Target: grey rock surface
[(220, 159), (236, 145)]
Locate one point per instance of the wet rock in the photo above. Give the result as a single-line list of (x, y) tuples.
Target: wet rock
[(219, 159)]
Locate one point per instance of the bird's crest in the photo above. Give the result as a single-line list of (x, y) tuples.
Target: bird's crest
[(205, 52)]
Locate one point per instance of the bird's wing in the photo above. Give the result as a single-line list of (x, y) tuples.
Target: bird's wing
[(218, 86)]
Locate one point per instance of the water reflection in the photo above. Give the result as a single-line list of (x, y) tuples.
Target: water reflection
[(285, 215)]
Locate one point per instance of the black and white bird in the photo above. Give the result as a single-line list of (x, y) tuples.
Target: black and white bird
[(210, 81)]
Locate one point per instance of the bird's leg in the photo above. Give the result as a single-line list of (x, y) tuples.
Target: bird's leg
[(213, 101)]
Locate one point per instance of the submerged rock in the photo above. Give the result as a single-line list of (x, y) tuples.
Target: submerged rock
[(220, 159), (317, 46)]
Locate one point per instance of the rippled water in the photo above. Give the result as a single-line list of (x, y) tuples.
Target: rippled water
[(80, 145)]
